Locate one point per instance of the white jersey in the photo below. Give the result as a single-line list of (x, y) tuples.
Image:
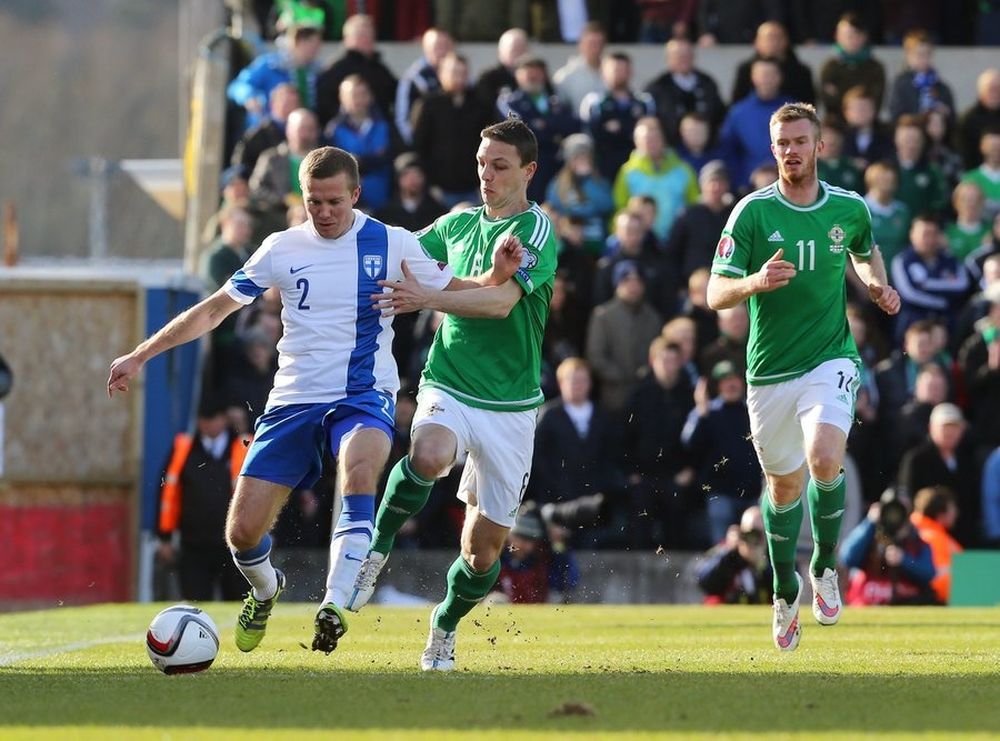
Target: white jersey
[(334, 343)]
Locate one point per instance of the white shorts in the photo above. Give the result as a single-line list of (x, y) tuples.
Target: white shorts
[(780, 411), (499, 444)]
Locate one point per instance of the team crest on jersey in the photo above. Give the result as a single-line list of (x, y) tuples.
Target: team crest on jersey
[(372, 265), (726, 248), (837, 235), (529, 260)]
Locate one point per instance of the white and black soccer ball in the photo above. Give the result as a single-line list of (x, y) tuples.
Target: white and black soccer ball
[(182, 639)]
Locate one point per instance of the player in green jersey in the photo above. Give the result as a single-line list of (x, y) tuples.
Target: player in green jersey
[(480, 390), (784, 251)]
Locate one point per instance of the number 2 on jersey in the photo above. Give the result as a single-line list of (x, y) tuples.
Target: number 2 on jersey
[(811, 244), (303, 283)]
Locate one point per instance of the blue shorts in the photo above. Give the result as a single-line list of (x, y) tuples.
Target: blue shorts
[(287, 447)]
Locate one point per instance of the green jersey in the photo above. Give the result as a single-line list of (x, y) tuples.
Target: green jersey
[(493, 363), (803, 324), (890, 227), (989, 181), (962, 239), (842, 173)]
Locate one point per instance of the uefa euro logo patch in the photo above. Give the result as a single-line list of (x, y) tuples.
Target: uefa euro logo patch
[(372, 265), (726, 248)]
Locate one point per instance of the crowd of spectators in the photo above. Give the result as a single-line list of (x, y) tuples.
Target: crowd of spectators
[(646, 426)]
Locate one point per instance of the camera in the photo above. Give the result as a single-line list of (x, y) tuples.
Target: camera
[(892, 517)]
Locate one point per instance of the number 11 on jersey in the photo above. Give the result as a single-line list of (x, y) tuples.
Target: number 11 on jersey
[(802, 245)]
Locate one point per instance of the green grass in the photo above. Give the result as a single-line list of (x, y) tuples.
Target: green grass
[(644, 671)]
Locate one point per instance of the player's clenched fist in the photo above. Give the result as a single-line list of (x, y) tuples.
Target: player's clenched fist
[(774, 273), (507, 257), (885, 297)]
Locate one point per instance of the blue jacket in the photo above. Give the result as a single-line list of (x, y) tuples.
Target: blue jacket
[(917, 563), (261, 76), (371, 144), (593, 204), (745, 135), (550, 127), (991, 497), (934, 290)]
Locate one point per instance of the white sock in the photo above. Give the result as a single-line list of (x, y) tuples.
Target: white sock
[(349, 546), (255, 565)]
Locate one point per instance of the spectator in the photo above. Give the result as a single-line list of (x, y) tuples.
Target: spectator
[(991, 500), (717, 438), (695, 307), (228, 253), (731, 344), (546, 114), (194, 498), (420, 78), (746, 130), (852, 65), (696, 231), (537, 566), (250, 381), (270, 132), (481, 20), (896, 376), (734, 21), (816, 23), (890, 216), (979, 305), (970, 230), (983, 114), (932, 283), (661, 21), (889, 563), (575, 443), (696, 145), (581, 75), (412, 207), (987, 175), (619, 334), (579, 192), (930, 389), (771, 42), (939, 149), (922, 186), (867, 141), (655, 170), (566, 329), (361, 129), (684, 89), (865, 444), (359, 58), (454, 109), (610, 117), (944, 460), (276, 176), (295, 64), (500, 79), (683, 332), (918, 88), (654, 415), (934, 514), (979, 359), (762, 176), (629, 243), (236, 192), (736, 572), (831, 164), (977, 263)]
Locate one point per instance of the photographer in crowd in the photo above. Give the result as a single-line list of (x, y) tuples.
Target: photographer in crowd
[(736, 570), (889, 563)]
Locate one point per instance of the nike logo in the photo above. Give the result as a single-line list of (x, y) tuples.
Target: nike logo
[(293, 271), (825, 608), (349, 557)]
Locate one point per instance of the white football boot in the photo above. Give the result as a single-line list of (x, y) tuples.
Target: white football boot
[(439, 655), (785, 628), (826, 604), (364, 583)]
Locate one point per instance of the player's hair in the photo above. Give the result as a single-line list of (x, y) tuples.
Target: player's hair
[(915, 37), (569, 365), (796, 112), (328, 162), (933, 501), (515, 132)]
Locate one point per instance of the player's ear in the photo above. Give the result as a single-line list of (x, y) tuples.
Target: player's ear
[(530, 169), (356, 195)]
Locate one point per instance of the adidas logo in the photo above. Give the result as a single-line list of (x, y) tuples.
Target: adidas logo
[(842, 398), (776, 237)]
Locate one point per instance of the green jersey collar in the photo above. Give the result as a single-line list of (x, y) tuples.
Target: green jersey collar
[(824, 194)]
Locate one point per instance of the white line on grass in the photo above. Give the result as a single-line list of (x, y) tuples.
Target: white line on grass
[(14, 658)]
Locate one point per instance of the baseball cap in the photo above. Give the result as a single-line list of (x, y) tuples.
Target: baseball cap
[(947, 414), (724, 368), (231, 173)]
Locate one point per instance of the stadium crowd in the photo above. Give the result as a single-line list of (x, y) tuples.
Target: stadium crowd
[(644, 442)]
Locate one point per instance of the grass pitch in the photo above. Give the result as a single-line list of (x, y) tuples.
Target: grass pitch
[(525, 672)]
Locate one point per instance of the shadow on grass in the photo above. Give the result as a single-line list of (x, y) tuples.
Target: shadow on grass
[(624, 701)]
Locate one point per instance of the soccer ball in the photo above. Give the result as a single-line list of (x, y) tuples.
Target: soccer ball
[(182, 639)]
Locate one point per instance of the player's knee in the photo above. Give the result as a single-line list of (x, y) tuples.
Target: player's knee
[(240, 536), (429, 460), (360, 478), (824, 466), (481, 560)]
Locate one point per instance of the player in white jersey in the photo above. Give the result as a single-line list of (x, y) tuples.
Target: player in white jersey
[(336, 383)]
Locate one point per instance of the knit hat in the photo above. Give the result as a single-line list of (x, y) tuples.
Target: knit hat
[(576, 144)]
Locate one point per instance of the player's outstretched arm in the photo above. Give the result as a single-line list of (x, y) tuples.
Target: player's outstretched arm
[(872, 274), (188, 325), (407, 295), (724, 292)]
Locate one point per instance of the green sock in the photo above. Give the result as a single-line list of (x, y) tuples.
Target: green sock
[(826, 511), (781, 525), (405, 495), (465, 589)]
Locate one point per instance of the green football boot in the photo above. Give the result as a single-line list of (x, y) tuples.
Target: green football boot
[(252, 622)]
